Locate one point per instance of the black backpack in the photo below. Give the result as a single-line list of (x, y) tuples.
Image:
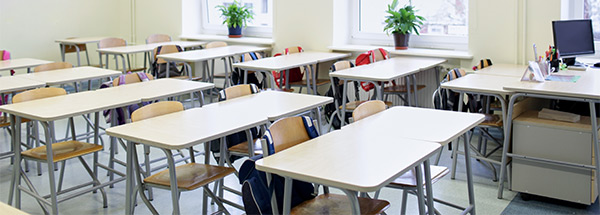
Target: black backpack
[(237, 76), (330, 108), (160, 70)]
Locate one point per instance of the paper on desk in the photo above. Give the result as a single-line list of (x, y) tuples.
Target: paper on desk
[(563, 78)]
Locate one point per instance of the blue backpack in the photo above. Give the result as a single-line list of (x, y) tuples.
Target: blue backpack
[(256, 193)]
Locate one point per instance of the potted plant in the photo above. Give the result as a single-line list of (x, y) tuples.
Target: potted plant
[(401, 23), (236, 16)]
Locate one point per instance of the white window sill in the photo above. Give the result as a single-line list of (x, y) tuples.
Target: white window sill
[(225, 38), (449, 54)]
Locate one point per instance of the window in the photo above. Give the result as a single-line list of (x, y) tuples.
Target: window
[(591, 10), (446, 24), (260, 26)]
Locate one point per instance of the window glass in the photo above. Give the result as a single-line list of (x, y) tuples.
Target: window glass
[(591, 10)]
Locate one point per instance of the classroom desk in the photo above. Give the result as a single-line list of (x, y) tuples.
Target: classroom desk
[(69, 75), (198, 56), (17, 83), (586, 89), (383, 71), (285, 62), (434, 126), (143, 48), (349, 159), (54, 108), (21, 63), (184, 129), (76, 42), (510, 70)]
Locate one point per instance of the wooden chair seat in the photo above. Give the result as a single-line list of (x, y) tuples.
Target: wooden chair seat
[(401, 88), (136, 69), (409, 180), (63, 150), (492, 120), (4, 122), (350, 106), (242, 148), (303, 82), (339, 204), (190, 176)]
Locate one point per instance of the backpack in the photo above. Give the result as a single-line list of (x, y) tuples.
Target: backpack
[(368, 58), (449, 100), (295, 74), (237, 76), (482, 64), (331, 108), (119, 111), (159, 70), (5, 55), (256, 193), (232, 139)]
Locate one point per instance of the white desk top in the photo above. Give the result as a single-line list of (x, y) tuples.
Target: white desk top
[(276, 104), (491, 84), (511, 70), (159, 88), (80, 40), (290, 61), (423, 123), (16, 83), (387, 70), (207, 54), (588, 86), (62, 76), (187, 128), (357, 157), (7, 209), (148, 47), (20, 63)]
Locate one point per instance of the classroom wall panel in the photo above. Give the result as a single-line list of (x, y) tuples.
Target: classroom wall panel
[(29, 28)]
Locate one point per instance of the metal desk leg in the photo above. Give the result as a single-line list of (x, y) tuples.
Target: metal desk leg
[(62, 51), (455, 143), (344, 93), (315, 77), (428, 187), (287, 195), (78, 56), (173, 179), (507, 133), (414, 91), (379, 90), (420, 196), (50, 163), (408, 91), (352, 196), (469, 176), (129, 182)]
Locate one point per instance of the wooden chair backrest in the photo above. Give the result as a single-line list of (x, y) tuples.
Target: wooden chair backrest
[(158, 38), (156, 109), (378, 56), (247, 57), (111, 42), (215, 44), (367, 109), (238, 91), (52, 66), (39, 93), (166, 49), (288, 132), (131, 78), (340, 65), (293, 50)]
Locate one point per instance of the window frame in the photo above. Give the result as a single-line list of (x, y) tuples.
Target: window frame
[(451, 42), (220, 29)]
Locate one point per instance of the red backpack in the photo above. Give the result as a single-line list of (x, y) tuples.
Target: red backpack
[(369, 57), (294, 73)]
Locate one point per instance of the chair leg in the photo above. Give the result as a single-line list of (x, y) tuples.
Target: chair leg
[(62, 174), (404, 200), (216, 200), (95, 179)]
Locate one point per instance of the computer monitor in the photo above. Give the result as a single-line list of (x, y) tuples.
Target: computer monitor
[(572, 38)]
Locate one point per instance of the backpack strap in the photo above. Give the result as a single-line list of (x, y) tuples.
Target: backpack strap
[(253, 56), (253, 88), (143, 77), (121, 80), (310, 127)]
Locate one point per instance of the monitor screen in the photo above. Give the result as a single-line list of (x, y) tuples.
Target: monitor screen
[(573, 37)]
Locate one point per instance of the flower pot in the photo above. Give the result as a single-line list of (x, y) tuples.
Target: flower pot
[(401, 41), (235, 32)]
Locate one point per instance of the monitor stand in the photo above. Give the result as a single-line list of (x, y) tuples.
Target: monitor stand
[(569, 61)]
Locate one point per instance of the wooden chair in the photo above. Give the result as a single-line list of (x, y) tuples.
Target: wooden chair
[(131, 78), (288, 132), (407, 182), (350, 105), (61, 152), (304, 70), (158, 38), (116, 42), (189, 176), (52, 66), (244, 148), (159, 62)]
